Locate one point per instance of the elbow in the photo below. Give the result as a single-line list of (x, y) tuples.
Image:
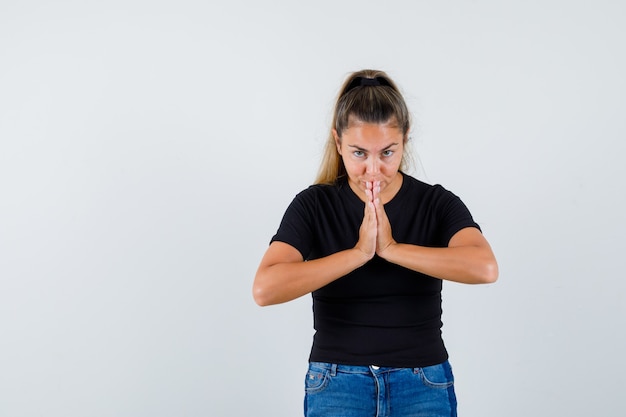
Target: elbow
[(266, 291), (489, 273), (261, 295)]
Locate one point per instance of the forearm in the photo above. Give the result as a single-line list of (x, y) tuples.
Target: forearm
[(465, 264), (285, 281)]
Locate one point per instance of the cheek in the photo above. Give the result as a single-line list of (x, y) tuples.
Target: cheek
[(353, 167), (391, 167), (348, 164)]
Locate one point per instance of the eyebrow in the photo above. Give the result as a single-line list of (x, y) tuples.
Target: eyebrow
[(365, 150)]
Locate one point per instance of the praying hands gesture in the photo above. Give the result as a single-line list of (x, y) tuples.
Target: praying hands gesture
[(375, 232), (284, 275)]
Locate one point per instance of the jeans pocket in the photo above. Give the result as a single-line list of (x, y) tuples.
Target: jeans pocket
[(316, 379), (437, 376)]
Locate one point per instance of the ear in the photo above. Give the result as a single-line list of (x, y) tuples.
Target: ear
[(337, 141)]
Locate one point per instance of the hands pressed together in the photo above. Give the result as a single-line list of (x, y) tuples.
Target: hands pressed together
[(284, 275), (375, 232)]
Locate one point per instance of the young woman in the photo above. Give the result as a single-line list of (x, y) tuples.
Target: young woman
[(373, 245)]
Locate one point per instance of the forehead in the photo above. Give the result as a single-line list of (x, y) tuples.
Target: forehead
[(384, 134)]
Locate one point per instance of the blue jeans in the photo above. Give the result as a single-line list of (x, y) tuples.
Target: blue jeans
[(371, 391)]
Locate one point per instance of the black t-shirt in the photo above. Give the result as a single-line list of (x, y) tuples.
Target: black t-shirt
[(381, 313)]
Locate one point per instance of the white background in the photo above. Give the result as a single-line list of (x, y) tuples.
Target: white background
[(148, 150)]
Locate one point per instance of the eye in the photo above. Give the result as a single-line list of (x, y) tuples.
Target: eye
[(359, 154), (387, 153)]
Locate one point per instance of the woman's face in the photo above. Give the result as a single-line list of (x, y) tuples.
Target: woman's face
[(372, 152)]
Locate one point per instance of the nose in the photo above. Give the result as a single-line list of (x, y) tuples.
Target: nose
[(373, 166)]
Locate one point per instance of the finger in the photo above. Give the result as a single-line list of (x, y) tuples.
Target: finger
[(369, 191), (381, 215), (370, 216), (369, 196), (368, 230), (377, 201), (376, 190)]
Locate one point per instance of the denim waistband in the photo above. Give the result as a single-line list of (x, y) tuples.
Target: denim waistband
[(353, 369)]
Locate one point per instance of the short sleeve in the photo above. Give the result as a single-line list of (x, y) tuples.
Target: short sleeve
[(453, 216), (296, 227)]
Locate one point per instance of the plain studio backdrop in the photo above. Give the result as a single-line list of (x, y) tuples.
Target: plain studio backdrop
[(148, 150)]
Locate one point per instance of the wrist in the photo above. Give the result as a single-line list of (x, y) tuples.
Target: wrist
[(386, 252), (361, 256)]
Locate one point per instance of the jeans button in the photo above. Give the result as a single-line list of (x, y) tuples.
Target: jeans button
[(376, 368)]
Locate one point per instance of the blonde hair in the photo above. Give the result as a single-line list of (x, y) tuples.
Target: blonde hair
[(369, 96)]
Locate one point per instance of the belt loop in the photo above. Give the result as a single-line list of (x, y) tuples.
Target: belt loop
[(333, 369)]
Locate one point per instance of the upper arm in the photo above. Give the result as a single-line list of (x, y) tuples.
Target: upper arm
[(468, 236), (483, 259), (280, 252)]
